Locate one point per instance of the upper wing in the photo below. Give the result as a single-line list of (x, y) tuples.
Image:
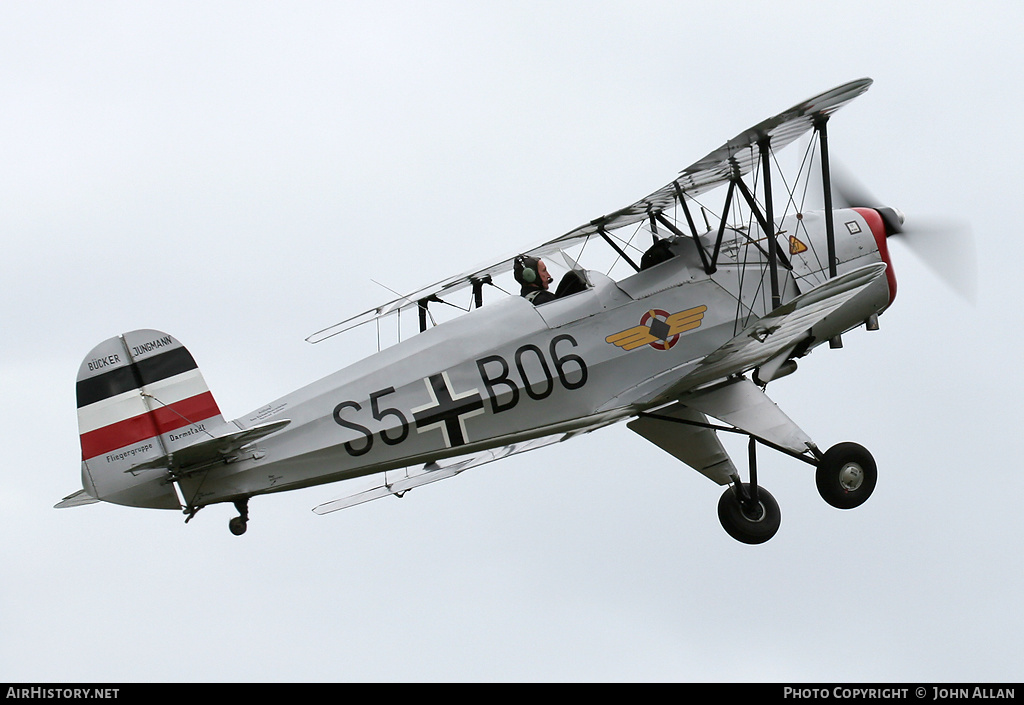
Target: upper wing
[(732, 160)]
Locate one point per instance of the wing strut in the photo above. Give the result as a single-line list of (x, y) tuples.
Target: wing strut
[(763, 221), (820, 123), (709, 267), (764, 145), (721, 224), (808, 456), (422, 305), (622, 254), (478, 289)]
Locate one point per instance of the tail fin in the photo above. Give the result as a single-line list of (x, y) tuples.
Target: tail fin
[(140, 397)]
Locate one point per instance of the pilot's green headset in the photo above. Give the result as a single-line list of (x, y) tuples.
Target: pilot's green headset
[(525, 269)]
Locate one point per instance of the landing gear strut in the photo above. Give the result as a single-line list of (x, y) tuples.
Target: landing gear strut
[(749, 513), (237, 525)]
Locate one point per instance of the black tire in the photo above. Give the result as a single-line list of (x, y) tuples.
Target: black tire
[(846, 475), (237, 525), (743, 526)]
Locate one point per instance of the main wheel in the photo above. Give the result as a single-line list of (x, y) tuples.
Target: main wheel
[(755, 525), (846, 475)]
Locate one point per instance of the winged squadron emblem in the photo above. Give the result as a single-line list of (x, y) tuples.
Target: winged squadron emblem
[(659, 329)]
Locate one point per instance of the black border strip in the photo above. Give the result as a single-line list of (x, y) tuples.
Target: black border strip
[(133, 376)]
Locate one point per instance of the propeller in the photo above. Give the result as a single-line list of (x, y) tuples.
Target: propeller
[(944, 246)]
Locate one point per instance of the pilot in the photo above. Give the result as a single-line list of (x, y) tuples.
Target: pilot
[(532, 274)]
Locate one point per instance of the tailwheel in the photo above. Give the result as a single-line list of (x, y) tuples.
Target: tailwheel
[(239, 524), (846, 475), (749, 513)]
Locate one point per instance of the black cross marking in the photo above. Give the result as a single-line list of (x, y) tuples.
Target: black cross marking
[(447, 411)]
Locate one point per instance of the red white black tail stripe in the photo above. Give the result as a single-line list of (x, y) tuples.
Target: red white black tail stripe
[(137, 393)]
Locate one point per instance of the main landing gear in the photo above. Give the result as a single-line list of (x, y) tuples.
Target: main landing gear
[(846, 475), (749, 513)]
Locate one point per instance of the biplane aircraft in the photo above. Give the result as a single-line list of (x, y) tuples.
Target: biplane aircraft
[(681, 347)]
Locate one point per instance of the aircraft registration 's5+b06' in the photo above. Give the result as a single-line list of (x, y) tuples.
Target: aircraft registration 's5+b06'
[(694, 331)]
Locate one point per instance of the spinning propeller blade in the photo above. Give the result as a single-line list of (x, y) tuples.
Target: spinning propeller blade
[(944, 246), (947, 248)]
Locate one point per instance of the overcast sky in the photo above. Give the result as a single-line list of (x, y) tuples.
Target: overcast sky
[(236, 173)]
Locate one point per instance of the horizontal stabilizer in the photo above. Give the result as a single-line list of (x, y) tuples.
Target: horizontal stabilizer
[(78, 499), (214, 449)]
